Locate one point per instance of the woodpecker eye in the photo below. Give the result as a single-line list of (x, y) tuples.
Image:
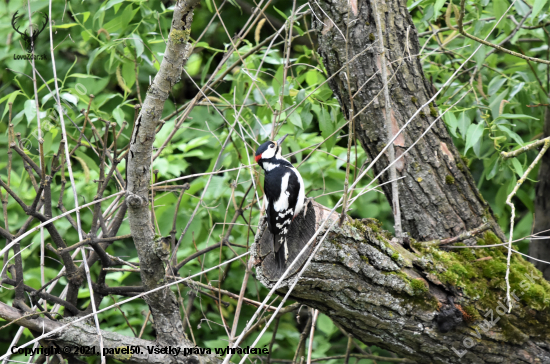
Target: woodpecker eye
[(272, 145)]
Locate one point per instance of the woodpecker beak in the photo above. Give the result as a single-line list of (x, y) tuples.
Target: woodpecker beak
[(280, 141)]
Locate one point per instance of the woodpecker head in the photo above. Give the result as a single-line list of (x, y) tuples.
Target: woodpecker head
[(269, 151)]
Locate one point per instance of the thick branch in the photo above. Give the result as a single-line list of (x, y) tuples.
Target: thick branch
[(80, 335), (385, 295), (163, 303)]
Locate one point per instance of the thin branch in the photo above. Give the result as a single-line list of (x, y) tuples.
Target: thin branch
[(513, 215), (485, 42)]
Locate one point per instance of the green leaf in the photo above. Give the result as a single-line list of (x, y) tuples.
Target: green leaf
[(493, 166), (428, 13), (295, 119), (281, 13), (480, 56), (452, 123), (114, 25), (495, 84), (517, 88), (414, 5), (111, 3), (463, 123), (209, 6), (475, 132), (30, 110), (537, 7), (118, 114), (206, 68), (312, 78), (82, 75), (65, 26), (511, 134), (11, 98), (300, 96), (515, 116), (325, 325), (277, 82), (517, 166), (128, 74), (138, 43), (306, 115), (438, 5), (499, 8), (495, 103), (193, 65)]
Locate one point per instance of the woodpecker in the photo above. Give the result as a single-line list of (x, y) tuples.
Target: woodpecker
[(284, 192)]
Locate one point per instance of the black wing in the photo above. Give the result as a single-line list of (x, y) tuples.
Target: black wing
[(279, 220)]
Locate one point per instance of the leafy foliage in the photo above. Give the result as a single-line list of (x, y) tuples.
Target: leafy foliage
[(111, 49)]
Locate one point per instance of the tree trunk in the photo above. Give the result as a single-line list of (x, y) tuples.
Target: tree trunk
[(427, 304), (438, 196), (154, 254), (540, 249), (385, 295)]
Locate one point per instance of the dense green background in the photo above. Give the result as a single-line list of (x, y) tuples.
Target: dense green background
[(96, 40)]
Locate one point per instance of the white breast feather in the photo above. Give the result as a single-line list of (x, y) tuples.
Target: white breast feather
[(269, 166)]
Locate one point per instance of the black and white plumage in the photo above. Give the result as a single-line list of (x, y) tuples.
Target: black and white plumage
[(284, 192)]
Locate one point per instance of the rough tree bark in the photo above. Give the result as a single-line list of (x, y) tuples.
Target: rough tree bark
[(154, 254), (438, 196), (81, 334), (379, 292), (540, 249), (385, 295)]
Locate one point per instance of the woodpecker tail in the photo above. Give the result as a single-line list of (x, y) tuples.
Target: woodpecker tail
[(280, 249)]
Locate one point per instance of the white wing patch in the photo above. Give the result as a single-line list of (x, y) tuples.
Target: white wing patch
[(282, 202), (301, 193)]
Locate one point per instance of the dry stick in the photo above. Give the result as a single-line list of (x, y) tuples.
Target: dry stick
[(173, 231), (465, 235), (273, 337), (10, 156), (303, 337), (40, 142), (348, 349), (124, 315), (513, 207), (45, 335), (240, 302), (230, 294), (22, 236), (350, 125), (144, 324), (309, 351), (68, 161), (485, 42), (287, 48), (253, 79), (54, 310)]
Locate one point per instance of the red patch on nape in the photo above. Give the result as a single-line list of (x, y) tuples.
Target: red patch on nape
[(257, 158)]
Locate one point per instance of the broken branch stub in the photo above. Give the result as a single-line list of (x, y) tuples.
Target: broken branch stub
[(301, 230)]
